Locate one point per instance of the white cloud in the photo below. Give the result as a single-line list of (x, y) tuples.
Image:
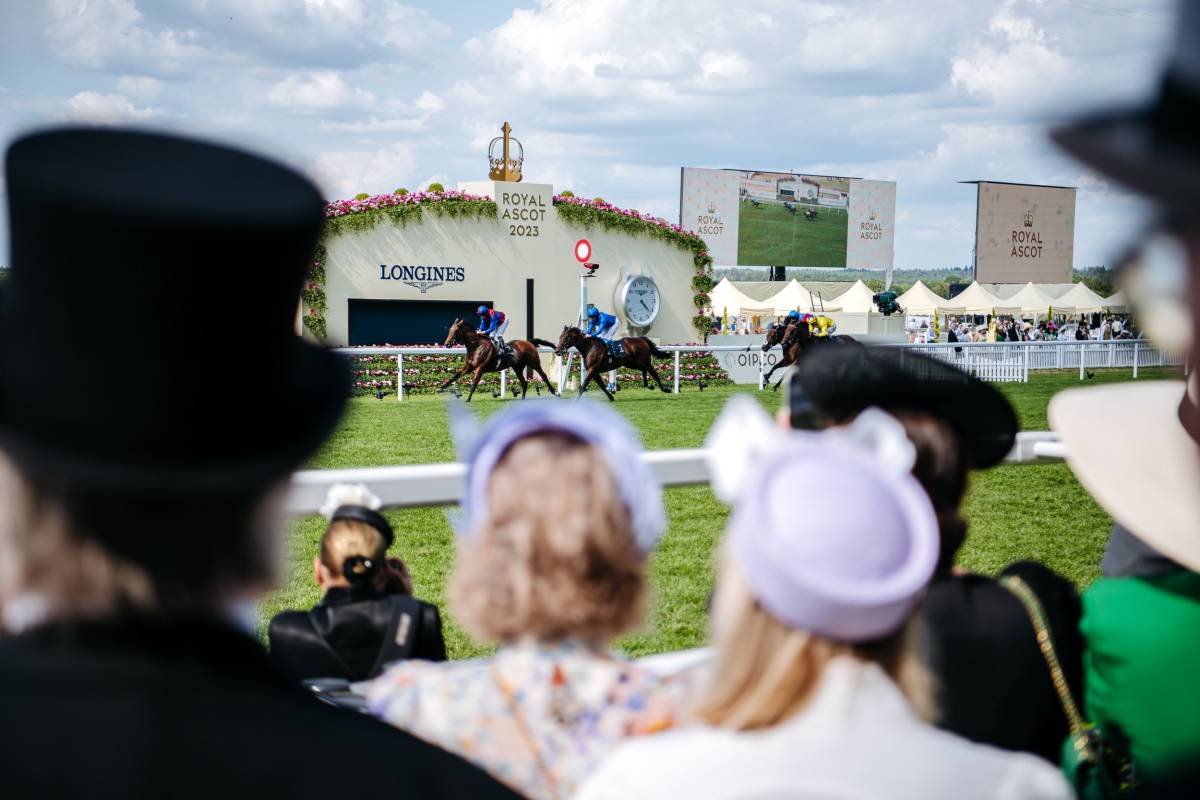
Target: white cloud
[(317, 91), (106, 109), (112, 34), (346, 173), (140, 87)]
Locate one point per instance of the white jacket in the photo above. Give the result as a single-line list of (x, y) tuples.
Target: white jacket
[(857, 738)]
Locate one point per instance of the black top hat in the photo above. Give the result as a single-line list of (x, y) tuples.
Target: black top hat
[(1154, 148), (147, 328), (841, 381)]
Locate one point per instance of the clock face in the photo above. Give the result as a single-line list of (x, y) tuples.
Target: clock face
[(642, 301)]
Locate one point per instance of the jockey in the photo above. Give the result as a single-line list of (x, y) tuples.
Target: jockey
[(601, 325), (824, 326), (493, 323)]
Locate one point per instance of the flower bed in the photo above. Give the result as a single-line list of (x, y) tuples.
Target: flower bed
[(423, 374)]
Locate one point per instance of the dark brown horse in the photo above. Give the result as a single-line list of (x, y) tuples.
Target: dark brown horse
[(596, 360), (482, 357), (795, 338)]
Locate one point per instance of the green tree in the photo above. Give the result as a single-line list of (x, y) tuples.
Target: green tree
[(436, 187)]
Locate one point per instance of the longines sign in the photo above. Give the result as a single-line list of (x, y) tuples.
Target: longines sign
[(422, 277)]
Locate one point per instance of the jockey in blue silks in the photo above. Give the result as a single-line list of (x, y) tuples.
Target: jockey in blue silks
[(493, 322), (602, 325)]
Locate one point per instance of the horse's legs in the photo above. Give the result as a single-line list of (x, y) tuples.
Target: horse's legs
[(458, 374), (524, 383), (475, 381), (537, 367), (770, 372), (597, 377), (645, 379), (657, 379)]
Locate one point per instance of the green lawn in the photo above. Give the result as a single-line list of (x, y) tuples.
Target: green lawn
[(769, 234), (1015, 512)]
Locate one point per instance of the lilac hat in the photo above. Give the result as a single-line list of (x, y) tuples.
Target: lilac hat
[(832, 539), (592, 422)]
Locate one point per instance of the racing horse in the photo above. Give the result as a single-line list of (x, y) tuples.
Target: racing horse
[(597, 359), (482, 357), (795, 339)]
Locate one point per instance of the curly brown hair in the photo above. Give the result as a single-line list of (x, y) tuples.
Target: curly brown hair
[(560, 562)]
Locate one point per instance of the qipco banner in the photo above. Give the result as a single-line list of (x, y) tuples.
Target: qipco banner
[(1024, 233), (753, 218)]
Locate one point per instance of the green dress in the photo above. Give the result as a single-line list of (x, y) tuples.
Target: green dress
[(1142, 666)]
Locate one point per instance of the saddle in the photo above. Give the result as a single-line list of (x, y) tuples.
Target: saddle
[(505, 355), (615, 348)]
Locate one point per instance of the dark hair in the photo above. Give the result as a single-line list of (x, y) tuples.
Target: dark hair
[(941, 469), (190, 546)]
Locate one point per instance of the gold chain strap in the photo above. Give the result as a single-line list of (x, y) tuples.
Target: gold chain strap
[(1045, 641), (526, 734)]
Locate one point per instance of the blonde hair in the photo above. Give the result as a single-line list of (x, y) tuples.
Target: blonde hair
[(765, 671), (48, 571), (556, 556), (346, 538)]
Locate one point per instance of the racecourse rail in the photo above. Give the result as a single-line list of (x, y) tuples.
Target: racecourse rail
[(989, 361)]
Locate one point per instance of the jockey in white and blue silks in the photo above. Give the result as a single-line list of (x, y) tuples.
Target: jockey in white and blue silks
[(601, 325)]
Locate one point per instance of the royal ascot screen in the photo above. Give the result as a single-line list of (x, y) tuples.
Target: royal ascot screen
[(754, 218), (1025, 233)]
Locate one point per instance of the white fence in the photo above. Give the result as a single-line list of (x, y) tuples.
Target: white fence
[(1012, 361), (989, 361), (421, 485)]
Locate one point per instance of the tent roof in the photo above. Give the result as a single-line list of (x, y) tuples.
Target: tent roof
[(797, 295), (1079, 300), (760, 290), (920, 299), (973, 299), (827, 290), (1007, 290), (1116, 301), (856, 299), (727, 297), (1030, 299)]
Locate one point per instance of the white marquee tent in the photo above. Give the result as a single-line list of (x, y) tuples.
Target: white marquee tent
[(1116, 302), (920, 300), (1029, 299), (973, 300), (728, 298), (1079, 300), (856, 300), (796, 295)]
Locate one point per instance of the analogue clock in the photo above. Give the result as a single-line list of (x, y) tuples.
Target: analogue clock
[(640, 301)]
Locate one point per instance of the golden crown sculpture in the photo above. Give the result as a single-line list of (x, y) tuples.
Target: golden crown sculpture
[(506, 167)]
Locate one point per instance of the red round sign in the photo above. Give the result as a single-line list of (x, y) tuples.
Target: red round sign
[(583, 250)]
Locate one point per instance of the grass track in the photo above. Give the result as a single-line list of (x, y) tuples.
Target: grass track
[(769, 234), (1014, 512)]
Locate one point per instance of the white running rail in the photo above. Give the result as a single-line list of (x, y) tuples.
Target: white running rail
[(422, 485)]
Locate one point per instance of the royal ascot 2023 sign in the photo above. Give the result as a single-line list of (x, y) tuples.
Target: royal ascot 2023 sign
[(422, 277)]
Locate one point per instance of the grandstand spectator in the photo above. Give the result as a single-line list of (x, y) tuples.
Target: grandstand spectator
[(142, 520), (1081, 332), (815, 688), (1142, 620), (995, 685), (367, 616), (559, 514)]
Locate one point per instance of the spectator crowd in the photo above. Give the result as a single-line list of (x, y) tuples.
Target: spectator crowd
[(849, 655)]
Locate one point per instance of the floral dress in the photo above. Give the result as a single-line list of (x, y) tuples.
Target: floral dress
[(537, 716)]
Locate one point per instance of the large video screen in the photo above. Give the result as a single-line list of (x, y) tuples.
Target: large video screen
[(751, 218), (1024, 233)]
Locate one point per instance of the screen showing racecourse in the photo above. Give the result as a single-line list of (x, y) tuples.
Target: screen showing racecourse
[(753, 218)]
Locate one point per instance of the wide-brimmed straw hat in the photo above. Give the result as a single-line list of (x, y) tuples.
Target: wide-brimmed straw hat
[(1129, 447)]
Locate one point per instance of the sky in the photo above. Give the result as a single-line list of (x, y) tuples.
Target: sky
[(611, 97)]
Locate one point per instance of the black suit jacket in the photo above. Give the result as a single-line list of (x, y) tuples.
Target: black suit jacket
[(193, 710), (353, 633), (994, 683)]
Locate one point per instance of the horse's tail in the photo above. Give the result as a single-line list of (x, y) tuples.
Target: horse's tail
[(544, 343), (655, 351)]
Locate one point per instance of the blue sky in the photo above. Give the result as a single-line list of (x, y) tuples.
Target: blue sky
[(611, 97)]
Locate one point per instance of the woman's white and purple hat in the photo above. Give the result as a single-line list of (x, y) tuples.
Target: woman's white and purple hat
[(831, 530), (482, 447)]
